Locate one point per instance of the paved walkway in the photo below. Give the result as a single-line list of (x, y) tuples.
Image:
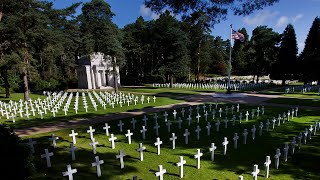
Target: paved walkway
[(256, 99)]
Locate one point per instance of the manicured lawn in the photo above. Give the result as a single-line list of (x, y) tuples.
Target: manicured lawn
[(71, 115), (295, 101), (301, 165), (18, 96)]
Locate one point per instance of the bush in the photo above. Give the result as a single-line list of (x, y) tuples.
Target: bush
[(16, 158)]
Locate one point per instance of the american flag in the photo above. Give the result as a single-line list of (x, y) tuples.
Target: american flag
[(237, 35)]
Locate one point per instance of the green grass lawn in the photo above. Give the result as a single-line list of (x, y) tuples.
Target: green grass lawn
[(295, 101), (18, 96), (302, 165), (71, 115)]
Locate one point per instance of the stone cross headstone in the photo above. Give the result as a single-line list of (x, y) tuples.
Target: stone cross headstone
[(240, 118), (73, 135), (253, 131), (145, 119), (91, 131), (198, 156), (235, 140), (234, 120), (277, 158), (129, 134), (238, 107), (97, 163), (120, 125), (213, 113), (198, 130), (212, 149), (186, 135), (69, 172), (120, 157), (133, 122), (225, 145), (220, 111), (255, 172), (106, 127), (143, 131), (226, 123), (273, 122), (94, 145), (182, 112), (299, 140), (156, 127), (174, 114), (54, 139), (180, 164), (161, 172), (140, 150), (47, 155), (245, 134), (267, 125), (158, 143), (173, 139), (189, 120), (179, 122), (31, 145), (267, 166), (260, 128), (198, 117), (155, 117), (293, 145), (169, 125), (112, 139), (165, 115), (258, 112), (217, 124), (71, 150), (208, 128), (285, 152), (247, 116), (306, 132)]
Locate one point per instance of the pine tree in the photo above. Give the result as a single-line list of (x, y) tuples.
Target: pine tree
[(310, 56), (285, 65)]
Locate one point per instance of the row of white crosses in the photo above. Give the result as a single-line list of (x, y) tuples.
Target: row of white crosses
[(54, 101), (215, 86), (302, 89)]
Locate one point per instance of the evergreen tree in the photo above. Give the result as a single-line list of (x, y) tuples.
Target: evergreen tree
[(285, 65), (310, 56)]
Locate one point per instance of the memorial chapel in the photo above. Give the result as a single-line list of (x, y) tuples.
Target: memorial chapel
[(95, 71)]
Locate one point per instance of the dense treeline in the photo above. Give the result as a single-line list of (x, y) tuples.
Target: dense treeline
[(40, 45)]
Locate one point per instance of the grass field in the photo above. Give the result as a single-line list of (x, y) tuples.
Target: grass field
[(301, 165), (295, 101), (71, 115)]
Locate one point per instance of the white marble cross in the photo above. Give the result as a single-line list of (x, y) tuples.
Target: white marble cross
[(267, 125), (198, 156), (133, 122), (158, 143), (97, 163), (156, 127), (155, 117), (267, 166), (73, 135), (198, 117), (145, 119), (255, 172), (94, 145), (208, 128), (143, 131), (235, 140), (293, 145), (54, 139), (198, 130), (217, 125), (120, 125), (260, 128), (169, 125), (240, 118), (69, 172), (71, 150), (179, 122), (225, 144), (253, 131), (91, 131), (180, 164), (212, 149), (129, 134), (220, 112), (173, 139), (247, 116), (106, 127), (31, 145), (47, 156), (120, 156), (112, 139), (277, 157), (189, 120), (140, 150), (299, 140), (174, 114), (186, 135), (161, 172), (285, 152), (182, 112)]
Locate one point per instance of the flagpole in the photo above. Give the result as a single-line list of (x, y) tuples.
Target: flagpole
[(229, 66)]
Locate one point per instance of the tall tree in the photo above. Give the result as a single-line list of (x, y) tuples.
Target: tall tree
[(239, 52), (285, 65), (310, 56), (264, 42), (100, 34), (219, 56)]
